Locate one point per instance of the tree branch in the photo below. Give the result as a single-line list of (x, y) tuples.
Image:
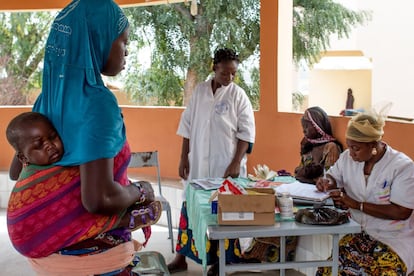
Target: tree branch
[(183, 11)]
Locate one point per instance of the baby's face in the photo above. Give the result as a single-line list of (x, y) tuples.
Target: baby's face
[(41, 144)]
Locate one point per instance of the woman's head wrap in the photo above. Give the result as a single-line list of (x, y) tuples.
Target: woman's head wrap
[(366, 127), (320, 121), (74, 97)]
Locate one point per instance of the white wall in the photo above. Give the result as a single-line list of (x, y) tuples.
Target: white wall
[(284, 60), (387, 39), (328, 89), (6, 186)]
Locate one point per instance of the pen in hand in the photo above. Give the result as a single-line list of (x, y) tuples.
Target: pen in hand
[(333, 192), (326, 182)]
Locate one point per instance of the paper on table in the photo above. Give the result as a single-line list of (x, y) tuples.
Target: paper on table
[(209, 183), (302, 190)]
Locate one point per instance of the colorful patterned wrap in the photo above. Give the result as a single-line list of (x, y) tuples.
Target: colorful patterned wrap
[(45, 211)]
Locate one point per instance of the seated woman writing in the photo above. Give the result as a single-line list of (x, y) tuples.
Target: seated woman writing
[(376, 184), (319, 149), (46, 198)]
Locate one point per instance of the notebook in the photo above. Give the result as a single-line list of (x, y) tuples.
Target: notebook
[(301, 190)]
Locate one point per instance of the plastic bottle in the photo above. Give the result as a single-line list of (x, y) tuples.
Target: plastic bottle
[(286, 206)]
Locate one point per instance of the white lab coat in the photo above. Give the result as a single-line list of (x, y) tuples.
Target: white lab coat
[(213, 124), (391, 180)]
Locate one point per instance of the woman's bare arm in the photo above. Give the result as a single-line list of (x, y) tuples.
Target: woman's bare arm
[(101, 194)]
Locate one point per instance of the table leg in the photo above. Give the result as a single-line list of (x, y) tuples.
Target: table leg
[(222, 259), (335, 254), (282, 254)]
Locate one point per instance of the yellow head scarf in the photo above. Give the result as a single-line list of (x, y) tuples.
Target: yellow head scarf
[(366, 127)]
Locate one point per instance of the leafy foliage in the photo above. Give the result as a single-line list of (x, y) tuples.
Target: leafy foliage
[(183, 44), (313, 23), (297, 100), (22, 40)]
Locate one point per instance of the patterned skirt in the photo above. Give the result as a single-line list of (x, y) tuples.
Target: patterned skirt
[(268, 249), (360, 254), (185, 244)]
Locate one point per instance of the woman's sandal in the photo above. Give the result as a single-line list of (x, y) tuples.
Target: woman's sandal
[(145, 215)]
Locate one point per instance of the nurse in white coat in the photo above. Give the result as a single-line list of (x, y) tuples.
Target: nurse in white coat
[(377, 186), (218, 130)]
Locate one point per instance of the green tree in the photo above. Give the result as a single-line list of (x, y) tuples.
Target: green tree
[(297, 100), (313, 23), (183, 44), (22, 40)]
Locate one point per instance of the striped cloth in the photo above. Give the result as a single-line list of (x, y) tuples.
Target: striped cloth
[(45, 211)]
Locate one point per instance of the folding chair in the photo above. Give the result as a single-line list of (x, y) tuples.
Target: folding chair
[(150, 159)]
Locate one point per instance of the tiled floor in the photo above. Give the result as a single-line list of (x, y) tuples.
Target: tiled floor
[(13, 264)]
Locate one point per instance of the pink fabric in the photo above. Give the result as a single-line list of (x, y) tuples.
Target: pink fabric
[(47, 200), (65, 265)]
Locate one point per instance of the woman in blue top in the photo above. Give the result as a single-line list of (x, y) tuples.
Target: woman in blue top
[(89, 38)]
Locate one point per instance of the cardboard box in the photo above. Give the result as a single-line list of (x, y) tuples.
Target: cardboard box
[(252, 209)]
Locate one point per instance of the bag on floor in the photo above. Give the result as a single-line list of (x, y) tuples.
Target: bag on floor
[(151, 263)]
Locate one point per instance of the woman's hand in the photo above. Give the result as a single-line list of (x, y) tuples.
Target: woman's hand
[(232, 170), (342, 200), (184, 167), (384, 211), (148, 192), (324, 184)]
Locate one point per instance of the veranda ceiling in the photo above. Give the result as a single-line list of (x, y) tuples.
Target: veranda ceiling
[(32, 5)]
